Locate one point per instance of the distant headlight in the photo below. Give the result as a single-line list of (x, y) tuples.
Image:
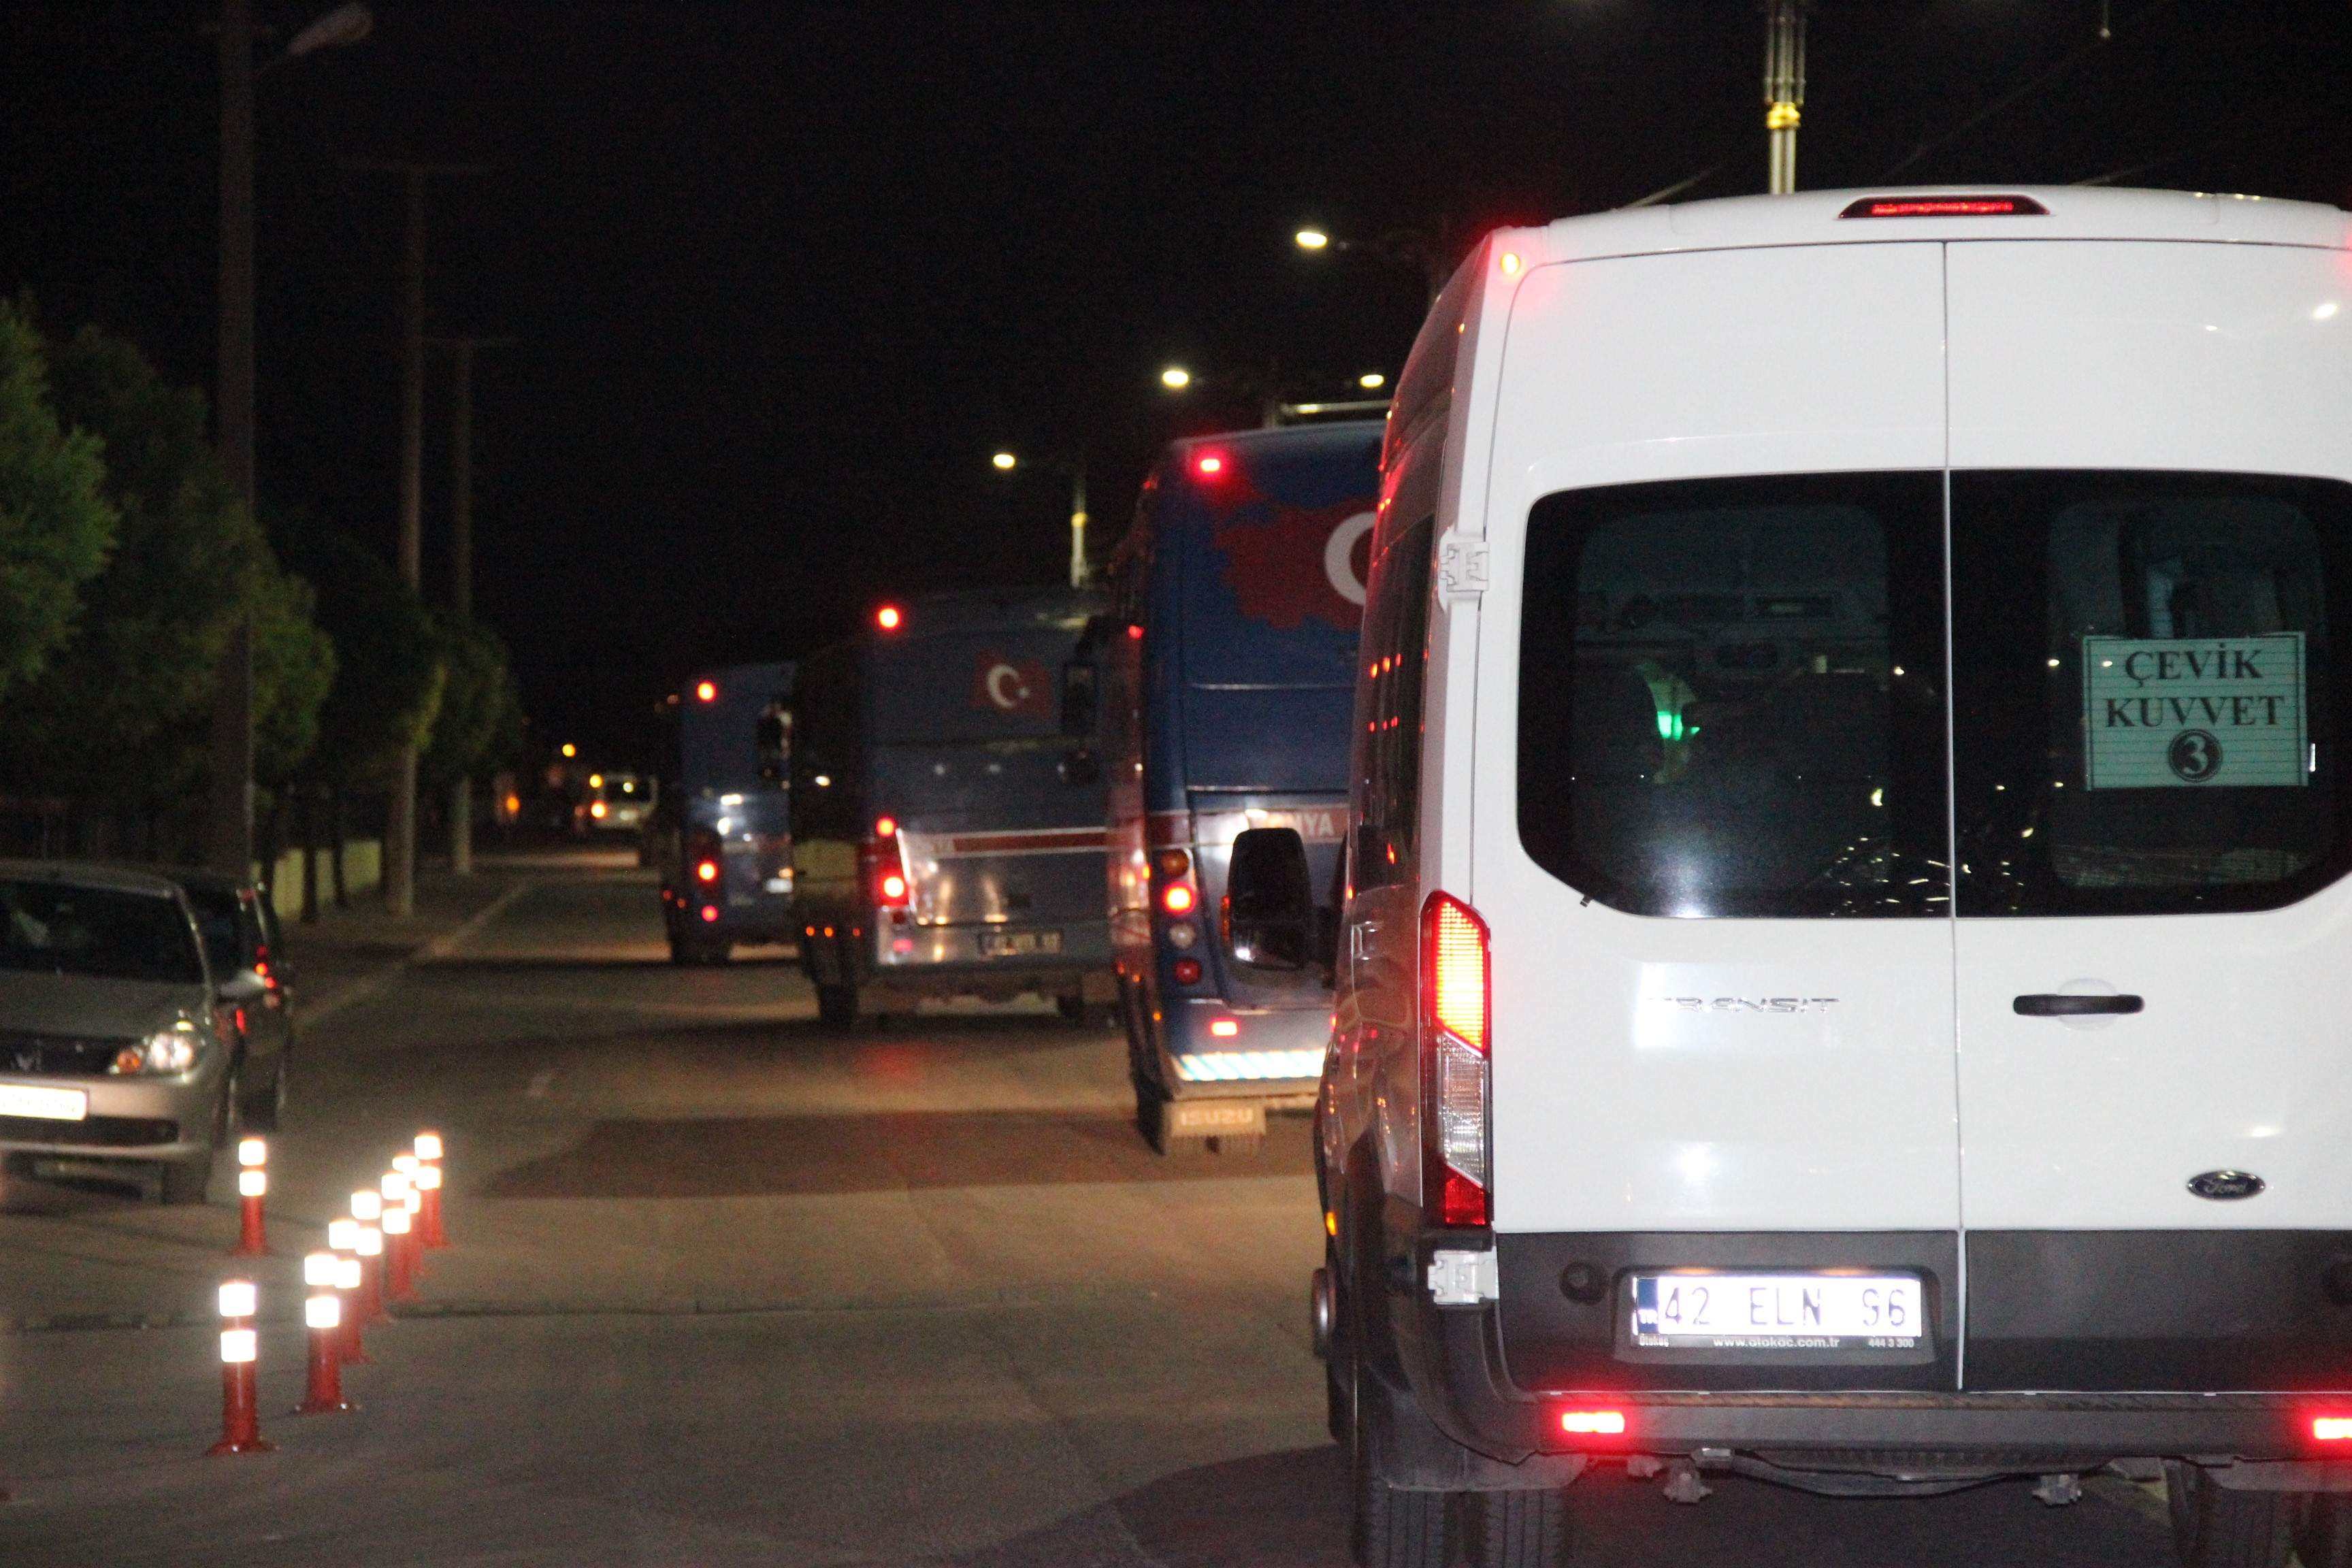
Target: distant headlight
[(165, 1051)]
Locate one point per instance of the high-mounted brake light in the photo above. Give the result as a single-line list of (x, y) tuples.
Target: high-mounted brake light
[(1594, 1423), (1209, 464), (1456, 999), (890, 617), (2332, 1428), (706, 871), (884, 826), (1944, 206), (706, 691)]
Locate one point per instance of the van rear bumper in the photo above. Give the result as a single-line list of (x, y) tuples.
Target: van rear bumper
[(2100, 1306)]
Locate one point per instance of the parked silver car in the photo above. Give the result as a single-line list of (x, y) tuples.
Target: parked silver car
[(114, 1044)]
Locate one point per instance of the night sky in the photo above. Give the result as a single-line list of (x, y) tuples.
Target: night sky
[(783, 277)]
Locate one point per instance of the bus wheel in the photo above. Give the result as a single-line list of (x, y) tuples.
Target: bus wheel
[(1151, 1114), (1072, 1006), (837, 1005)]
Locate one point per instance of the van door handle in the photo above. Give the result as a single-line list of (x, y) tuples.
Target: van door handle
[(2049, 1004)]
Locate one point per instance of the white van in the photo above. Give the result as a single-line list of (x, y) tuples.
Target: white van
[(1846, 973)]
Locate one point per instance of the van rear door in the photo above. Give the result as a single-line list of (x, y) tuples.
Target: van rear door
[(1711, 829), (2152, 580)]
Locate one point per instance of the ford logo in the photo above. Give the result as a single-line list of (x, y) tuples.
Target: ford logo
[(2223, 1185)]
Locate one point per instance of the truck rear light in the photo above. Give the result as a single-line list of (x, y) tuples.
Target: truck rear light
[(1187, 971), (1456, 1000), (1593, 1422), (1178, 898), (894, 891), (706, 871)]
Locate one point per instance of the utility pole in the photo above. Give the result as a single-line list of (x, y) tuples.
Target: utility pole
[(461, 553), (1784, 88), (400, 825), (228, 813)]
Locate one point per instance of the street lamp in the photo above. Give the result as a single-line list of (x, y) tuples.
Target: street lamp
[(1006, 462), (1419, 250), (1371, 381), (1311, 239), (1175, 378), (229, 819)]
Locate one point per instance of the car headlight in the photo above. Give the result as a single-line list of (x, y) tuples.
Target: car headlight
[(165, 1051)]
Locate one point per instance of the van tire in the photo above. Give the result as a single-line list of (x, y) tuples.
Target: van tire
[(1388, 1527), (2215, 1527), (837, 1005), (1071, 1006), (1519, 1529), (2323, 1537)]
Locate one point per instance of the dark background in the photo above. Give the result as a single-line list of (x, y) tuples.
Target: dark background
[(783, 276)]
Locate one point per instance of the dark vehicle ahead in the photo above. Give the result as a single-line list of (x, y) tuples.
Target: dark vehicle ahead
[(246, 951), (947, 807), (722, 837), (1228, 671)]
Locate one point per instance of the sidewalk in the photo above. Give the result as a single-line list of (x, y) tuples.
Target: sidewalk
[(364, 946)]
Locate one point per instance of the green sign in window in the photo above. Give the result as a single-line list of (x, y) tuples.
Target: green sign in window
[(2172, 712)]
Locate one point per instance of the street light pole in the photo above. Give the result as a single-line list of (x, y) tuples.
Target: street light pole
[(1784, 88), (1006, 462), (461, 554), (400, 824), (228, 815)]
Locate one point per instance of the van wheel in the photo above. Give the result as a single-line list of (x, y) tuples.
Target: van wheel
[(2324, 1538), (2214, 1526), (837, 1005), (1388, 1526), (1071, 1006), (1519, 1529)]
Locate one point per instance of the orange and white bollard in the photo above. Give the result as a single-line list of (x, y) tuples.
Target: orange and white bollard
[(428, 1184), (399, 1252), (322, 1316), (252, 1186), (239, 1347), (344, 1241)]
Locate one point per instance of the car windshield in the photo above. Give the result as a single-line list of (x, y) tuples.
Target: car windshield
[(109, 932)]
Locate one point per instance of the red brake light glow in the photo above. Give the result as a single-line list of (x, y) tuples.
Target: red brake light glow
[(884, 826), (706, 871), (1456, 994), (894, 888), (706, 691), (710, 914), (2331, 1428), (1593, 1422), (890, 617), (1188, 971), (1209, 464), (1454, 941), (1946, 207), (1178, 898), (1224, 1028), (1134, 632)]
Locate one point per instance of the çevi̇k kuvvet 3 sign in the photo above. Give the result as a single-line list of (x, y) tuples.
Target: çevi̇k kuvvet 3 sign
[(2172, 712)]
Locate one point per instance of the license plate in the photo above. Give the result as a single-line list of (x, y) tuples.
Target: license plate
[(1778, 1311), (48, 1104), (1016, 943), (1218, 1117)]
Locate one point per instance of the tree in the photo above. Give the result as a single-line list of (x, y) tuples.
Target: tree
[(119, 718), (479, 725), (391, 666), (56, 526)]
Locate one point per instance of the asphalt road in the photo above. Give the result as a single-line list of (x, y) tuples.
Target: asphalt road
[(725, 1289)]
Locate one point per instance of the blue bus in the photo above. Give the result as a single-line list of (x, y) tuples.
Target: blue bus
[(1228, 676), (722, 837), (947, 807)]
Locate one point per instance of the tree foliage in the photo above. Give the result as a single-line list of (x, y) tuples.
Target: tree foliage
[(55, 523), (479, 725), (391, 664), (121, 717)]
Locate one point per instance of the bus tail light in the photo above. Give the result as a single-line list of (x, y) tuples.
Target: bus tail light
[(1178, 898), (1456, 1001), (1593, 1422), (886, 875), (2331, 1428)]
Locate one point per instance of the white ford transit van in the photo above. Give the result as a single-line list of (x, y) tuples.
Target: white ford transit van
[(1846, 971)]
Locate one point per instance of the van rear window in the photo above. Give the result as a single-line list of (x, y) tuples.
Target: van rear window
[(2147, 702), (1730, 700)]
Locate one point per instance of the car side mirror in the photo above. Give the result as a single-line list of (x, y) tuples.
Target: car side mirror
[(243, 985), (1268, 918), (1078, 704)]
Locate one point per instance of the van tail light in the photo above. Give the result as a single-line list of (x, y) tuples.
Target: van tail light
[(704, 855), (1456, 999), (886, 875)]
